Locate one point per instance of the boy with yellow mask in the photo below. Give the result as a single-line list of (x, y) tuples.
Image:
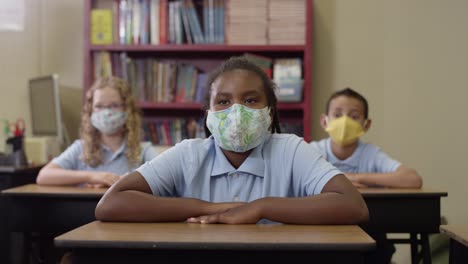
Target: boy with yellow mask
[(346, 120)]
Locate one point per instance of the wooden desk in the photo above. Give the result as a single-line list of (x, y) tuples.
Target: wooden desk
[(458, 242), (60, 209), (34, 208), (47, 210), (11, 177), (412, 211), (100, 242)]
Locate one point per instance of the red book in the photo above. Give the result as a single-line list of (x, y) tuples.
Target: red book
[(163, 22)]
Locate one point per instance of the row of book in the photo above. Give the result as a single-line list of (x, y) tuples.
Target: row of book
[(244, 22), (152, 80), (161, 131), (133, 22), (164, 81), (172, 131)]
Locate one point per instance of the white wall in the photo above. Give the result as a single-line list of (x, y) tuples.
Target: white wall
[(409, 58), (50, 43)]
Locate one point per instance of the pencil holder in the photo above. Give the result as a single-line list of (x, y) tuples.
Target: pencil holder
[(17, 157)]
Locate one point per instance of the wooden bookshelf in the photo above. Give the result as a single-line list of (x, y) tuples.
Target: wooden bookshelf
[(205, 57)]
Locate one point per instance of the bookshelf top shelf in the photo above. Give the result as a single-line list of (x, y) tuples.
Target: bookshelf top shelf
[(199, 48)]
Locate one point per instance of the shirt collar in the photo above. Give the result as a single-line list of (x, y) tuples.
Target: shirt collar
[(351, 160), (117, 153), (254, 164)]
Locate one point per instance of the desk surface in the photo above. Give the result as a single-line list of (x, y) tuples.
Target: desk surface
[(456, 232), (34, 189), (217, 236), (13, 169), (400, 192), (54, 191)]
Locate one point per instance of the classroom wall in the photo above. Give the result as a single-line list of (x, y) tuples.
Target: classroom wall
[(51, 42), (408, 58)]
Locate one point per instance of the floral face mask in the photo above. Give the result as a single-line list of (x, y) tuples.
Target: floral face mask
[(108, 121), (239, 128)]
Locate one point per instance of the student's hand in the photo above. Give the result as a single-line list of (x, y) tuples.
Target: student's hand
[(359, 185), (93, 186), (103, 178), (245, 214), (216, 208), (354, 178)]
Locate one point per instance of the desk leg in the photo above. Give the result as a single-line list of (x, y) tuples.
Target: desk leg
[(414, 248), (426, 249), (451, 252), (21, 249)]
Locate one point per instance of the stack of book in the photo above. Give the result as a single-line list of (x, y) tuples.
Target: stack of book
[(246, 22), (286, 22)]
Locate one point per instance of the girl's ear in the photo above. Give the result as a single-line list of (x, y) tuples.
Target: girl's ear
[(367, 124), (323, 121)]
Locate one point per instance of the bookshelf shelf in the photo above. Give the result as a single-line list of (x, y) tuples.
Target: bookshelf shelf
[(198, 48), (295, 116)]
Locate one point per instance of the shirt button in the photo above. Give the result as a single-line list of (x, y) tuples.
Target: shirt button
[(234, 175), (236, 199)]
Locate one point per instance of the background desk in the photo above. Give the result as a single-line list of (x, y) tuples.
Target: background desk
[(458, 242), (99, 242), (412, 211), (47, 210), (11, 177)]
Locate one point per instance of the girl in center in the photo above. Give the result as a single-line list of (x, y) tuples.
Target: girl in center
[(244, 172)]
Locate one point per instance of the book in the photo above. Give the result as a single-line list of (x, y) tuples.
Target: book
[(101, 27), (287, 69), (261, 61), (154, 22), (287, 74), (195, 25), (185, 22), (163, 23), (200, 88)]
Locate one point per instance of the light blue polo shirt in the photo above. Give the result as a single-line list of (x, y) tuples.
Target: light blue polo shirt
[(115, 162), (367, 158), (283, 166)]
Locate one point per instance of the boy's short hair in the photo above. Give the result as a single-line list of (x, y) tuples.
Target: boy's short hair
[(348, 92)]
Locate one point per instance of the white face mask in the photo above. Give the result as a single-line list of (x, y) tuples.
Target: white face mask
[(108, 121), (239, 128)]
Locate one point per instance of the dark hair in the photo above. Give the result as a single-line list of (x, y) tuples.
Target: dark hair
[(348, 92), (242, 63)]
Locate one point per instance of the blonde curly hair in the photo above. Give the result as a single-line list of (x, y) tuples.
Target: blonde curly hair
[(92, 153)]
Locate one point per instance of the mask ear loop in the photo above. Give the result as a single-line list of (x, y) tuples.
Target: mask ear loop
[(326, 121)]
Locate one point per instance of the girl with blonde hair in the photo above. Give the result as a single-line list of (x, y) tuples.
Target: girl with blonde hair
[(110, 143)]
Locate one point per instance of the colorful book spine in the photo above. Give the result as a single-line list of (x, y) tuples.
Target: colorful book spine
[(154, 21), (101, 27), (145, 22), (185, 22), (163, 21)]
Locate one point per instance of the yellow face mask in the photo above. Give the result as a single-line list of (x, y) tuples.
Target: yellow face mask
[(344, 130)]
